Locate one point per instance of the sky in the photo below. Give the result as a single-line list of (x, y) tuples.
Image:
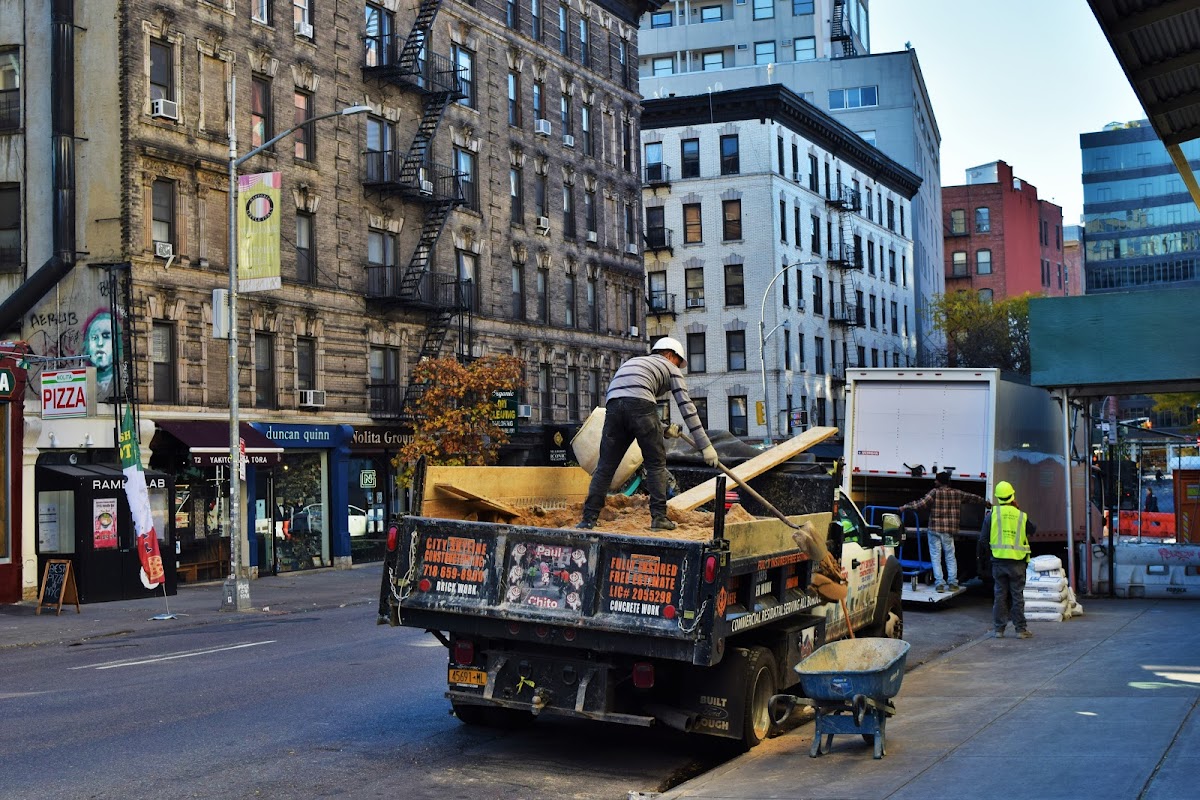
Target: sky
[(1014, 81)]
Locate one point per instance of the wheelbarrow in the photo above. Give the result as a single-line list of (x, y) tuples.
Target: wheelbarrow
[(850, 685)]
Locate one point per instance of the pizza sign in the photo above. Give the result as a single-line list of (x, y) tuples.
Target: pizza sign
[(64, 393)]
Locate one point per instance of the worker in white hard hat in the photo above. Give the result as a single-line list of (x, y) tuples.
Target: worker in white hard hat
[(631, 413)]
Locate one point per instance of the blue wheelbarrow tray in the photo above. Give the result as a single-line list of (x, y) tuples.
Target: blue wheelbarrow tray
[(849, 684)]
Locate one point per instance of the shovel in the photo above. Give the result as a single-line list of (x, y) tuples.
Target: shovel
[(766, 504)]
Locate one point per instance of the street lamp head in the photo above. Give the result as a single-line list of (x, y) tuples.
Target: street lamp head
[(355, 110)]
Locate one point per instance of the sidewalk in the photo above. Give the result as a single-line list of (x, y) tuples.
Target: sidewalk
[(195, 604), (1106, 705)]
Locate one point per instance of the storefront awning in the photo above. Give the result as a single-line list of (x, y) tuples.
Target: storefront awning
[(208, 442)]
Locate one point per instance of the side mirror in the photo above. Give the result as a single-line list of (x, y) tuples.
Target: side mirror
[(835, 539), (893, 529)]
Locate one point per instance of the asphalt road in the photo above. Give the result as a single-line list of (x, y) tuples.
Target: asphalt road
[(321, 704)]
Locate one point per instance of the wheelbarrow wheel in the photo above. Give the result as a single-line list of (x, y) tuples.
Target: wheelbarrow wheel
[(761, 683)]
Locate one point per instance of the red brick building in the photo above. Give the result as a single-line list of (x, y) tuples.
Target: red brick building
[(1000, 239)]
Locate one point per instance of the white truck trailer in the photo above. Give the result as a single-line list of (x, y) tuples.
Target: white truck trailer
[(905, 425)]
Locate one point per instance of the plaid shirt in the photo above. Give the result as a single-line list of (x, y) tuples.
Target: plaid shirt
[(947, 507)]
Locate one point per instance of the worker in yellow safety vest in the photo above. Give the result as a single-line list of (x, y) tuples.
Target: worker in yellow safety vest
[(1004, 539)]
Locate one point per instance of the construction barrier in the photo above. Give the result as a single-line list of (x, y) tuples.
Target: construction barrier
[(1149, 569), (1160, 525)]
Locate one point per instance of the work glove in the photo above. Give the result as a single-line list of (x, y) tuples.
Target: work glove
[(709, 454), (672, 431)]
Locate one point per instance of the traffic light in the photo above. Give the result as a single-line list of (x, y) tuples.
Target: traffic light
[(760, 416)]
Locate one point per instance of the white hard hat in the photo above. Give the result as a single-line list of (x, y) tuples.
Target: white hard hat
[(670, 345)]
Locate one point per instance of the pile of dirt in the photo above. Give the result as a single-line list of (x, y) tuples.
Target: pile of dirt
[(631, 515)]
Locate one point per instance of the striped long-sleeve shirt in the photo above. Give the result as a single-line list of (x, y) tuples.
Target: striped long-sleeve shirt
[(651, 377)]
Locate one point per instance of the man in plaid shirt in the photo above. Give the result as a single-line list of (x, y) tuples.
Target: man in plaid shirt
[(944, 521)]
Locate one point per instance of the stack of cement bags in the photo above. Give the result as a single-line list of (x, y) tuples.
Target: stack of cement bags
[(1047, 595)]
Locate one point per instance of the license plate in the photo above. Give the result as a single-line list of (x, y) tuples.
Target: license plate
[(468, 677)]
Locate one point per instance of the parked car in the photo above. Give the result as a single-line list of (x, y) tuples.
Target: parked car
[(311, 518)]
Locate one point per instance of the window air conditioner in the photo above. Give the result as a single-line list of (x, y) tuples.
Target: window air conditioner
[(568, 140), (743, 46), (304, 29), (163, 250), (312, 398), (543, 224), (592, 236), (796, 176), (633, 330), (524, 411), (632, 249), (427, 188), (695, 302), (164, 109), (541, 127)]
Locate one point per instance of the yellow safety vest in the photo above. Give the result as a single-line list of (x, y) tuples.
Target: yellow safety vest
[(1008, 539)]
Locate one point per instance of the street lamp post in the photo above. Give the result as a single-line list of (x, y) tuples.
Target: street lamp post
[(762, 344), (237, 586)]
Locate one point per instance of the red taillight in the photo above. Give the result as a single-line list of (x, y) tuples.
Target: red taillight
[(464, 651), (710, 569), (731, 497), (541, 631), (393, 538), (669, 612), (424, 585), (643, 675), (569, 635)]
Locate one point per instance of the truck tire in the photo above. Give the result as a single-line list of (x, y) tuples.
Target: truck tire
[(761, 683), (890, 623), (469, 714), (491, 716)]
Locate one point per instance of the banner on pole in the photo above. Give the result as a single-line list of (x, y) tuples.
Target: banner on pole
[(258, 232), (138, 495)]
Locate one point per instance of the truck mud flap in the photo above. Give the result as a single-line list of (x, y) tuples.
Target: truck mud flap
[(471, 698)]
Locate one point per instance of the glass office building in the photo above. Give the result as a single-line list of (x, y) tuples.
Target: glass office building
[(1141, 227)]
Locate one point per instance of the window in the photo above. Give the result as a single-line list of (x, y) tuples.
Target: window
[(543, 296), (585, 129), (983, 221), (731, 219), (873, 318), (564, 35), (564, 113), (512, 14), (262, 127), (806, 48), (958, 268), (539, 195), (10, 227), (464, 62), (589, 212), (764, 9), (306, 250), (568, 209), (261, 11), (801, 7), (162, 223), (818, 352), (518, 291), (764, 52), (701, 404), (593, 308), (738, 421), (381, 136), (162, 70), (891, 215), (381, 263), (516, 196), (818, 304), (535, 11), (814, 178), (10, 90), (689, 156), (783, 225), (302, 14), (857, 97), (585, 57), (664, 66), (468, 275), (573, 393), (514, 99), (697, 353), (693, 230), (569, 320), (537, 101), (662, 19), (306, 363), (983, 262), (735, 289), (895, 321), (814, 233), (264, 370), (378, 39), (892, 265), (710, 14), (305, 137), (730, 159), (464, 163), (693, 279), (735, 350), (162, 357), (383, 365), (631, 233), (714, 60), (985, 295), (958, 222)]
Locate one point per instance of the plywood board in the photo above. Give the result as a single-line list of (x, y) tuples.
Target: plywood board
[(699, 495), (769, 535), (516, 487), (477, 499)]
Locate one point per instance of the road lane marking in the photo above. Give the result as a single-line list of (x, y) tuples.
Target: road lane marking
[(171, 656)]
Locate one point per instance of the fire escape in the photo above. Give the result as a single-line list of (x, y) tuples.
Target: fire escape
[(846, 257), (839, 32), (413, 176)]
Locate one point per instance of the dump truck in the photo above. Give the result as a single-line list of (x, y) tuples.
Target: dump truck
[(903, 426), (694, 629)]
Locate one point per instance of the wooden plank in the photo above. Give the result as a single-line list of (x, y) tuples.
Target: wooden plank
[(477, 499), (520, 487), (699, 495)]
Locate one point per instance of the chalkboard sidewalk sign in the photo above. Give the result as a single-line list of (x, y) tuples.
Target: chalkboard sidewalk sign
[(58, 587)]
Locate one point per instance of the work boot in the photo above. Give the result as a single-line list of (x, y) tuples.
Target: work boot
[(999, 634), (586, 524), (953, 587), (662, 524), (1024, 634), (941, 587)]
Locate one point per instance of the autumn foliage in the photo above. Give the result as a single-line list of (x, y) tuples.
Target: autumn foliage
[(454, 415), (982, 333)]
